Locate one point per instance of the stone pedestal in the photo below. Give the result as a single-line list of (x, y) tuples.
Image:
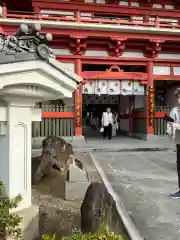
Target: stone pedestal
[(76, 184), (15, 158)]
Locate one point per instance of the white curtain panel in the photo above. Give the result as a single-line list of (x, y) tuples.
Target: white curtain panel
[(127, 87), (114, 87), (103, 84), (138, 88), (97, 87), (88, 88)]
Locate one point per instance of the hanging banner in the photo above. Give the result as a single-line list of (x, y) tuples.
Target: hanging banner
[(127, 87), (138, 88), (97, 87), (103, 86), (89, 87), (113, 87)]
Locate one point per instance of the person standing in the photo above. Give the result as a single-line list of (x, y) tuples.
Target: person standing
[(115, 124), (107, 122), (173, 131)]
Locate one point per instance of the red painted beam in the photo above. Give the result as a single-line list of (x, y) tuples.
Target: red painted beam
[(66, 115), (58, 115), (56, 32), (120, 60)]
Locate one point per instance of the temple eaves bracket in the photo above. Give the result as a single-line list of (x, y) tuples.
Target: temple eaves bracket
[(78, 44), (154, 47), (117, 46)]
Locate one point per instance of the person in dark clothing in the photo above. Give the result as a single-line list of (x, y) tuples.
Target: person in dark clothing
[(107, 132)]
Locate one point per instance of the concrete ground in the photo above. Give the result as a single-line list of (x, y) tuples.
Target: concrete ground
[(143, 181), (120, 143)]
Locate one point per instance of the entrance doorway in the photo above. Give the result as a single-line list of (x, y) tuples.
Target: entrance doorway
[(130, 99), (93, 107), (112, 87)]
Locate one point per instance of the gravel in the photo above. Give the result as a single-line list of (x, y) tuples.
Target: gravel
[(57, 215)]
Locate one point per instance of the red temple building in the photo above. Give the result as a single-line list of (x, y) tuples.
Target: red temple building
[(127, 52)]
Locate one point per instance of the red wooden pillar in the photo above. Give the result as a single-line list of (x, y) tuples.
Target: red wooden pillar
[(78, 102), (150, 96), (4, 11)]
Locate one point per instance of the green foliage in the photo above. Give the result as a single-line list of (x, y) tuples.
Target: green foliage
[(9, 223), (104, 235), (46, 237)]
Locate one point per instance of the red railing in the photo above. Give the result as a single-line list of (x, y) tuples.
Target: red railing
[(165, 21), (56, 120)]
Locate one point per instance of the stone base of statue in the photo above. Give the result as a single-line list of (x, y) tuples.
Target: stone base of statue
[(77, 183)]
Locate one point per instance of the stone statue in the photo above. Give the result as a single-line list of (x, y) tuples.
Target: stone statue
[(56, 153), (96, 208), (46, 163)]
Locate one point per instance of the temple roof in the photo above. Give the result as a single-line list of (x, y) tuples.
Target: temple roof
[(28, 44), (26, 59), (25, 44)]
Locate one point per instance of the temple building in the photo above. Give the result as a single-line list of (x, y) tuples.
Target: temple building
[(127, 52)]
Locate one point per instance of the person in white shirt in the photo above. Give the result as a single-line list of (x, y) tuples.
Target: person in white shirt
[(107, 122), (173, 131)]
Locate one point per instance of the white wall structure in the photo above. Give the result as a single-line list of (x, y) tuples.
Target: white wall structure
[(22, 84), (133, 54), (161, 70), (96, 53), (103, 53), (62, 51), (168, 56), (176, 70)]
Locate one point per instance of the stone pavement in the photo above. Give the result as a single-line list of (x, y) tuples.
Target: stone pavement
[(143, 181), (117, 144)]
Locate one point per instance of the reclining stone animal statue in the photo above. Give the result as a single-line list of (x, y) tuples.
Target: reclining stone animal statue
[(57, 154), (55, 143), (46, 163), (96, 208)]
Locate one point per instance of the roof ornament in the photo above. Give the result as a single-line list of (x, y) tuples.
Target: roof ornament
[(27, 40)]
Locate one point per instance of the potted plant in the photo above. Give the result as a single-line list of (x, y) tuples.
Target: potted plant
[(9, 223)]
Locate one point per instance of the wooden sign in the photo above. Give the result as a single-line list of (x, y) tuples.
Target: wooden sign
[(78, 108), (151, 105)]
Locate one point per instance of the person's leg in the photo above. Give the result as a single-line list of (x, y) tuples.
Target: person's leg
[(113, 131), (105, 132), (110, 131), (177, 194)]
